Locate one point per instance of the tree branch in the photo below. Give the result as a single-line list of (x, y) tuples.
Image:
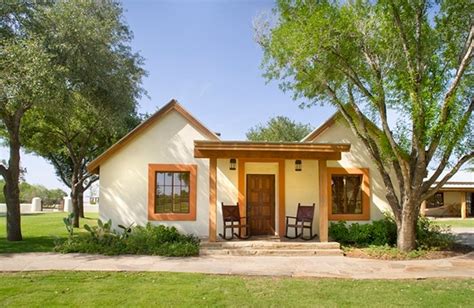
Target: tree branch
[(3, 171), (443, 181), (391, 196), (464, 63), (449, 149), (59, 171)]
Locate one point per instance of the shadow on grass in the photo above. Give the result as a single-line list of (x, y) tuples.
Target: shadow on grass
[(29, 244)]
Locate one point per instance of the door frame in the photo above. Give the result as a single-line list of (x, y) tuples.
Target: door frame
[(273, 214), (280, 198)]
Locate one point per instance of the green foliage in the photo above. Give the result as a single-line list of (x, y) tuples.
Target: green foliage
[(400, 74), (379, 232), (384, 233), (279, 129), (149, 240), (41, 232), (68, 222), (430, 235), (30, 191), (100, 231)]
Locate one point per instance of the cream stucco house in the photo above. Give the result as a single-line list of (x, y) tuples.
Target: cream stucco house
[(173, 170)]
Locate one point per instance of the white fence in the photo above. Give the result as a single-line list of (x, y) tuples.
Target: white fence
[(32, 208)]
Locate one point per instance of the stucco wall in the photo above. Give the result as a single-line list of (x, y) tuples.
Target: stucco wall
[(302, 187), (358, 157), (124, 176), (227, 190), (452, 197)]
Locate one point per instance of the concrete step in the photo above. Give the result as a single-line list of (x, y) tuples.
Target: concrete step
[(270, 245), (271, 252)]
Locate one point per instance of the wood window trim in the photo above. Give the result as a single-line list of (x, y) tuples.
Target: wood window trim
[(365, 193), (152, 169)]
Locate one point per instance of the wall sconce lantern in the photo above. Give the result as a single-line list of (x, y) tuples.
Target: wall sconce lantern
[(232, 164), (297, 165)]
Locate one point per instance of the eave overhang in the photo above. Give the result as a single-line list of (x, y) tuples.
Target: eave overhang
[(282, 150)]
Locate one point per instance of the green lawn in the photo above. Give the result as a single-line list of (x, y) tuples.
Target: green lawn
[(456, 223), (39, 231), (179, 289)]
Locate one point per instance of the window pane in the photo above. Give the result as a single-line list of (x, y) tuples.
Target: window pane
[(436, 201), (160, 178), (172, 192), (346, 194)]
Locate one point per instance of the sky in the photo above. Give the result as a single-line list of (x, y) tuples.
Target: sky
[(203, 54)]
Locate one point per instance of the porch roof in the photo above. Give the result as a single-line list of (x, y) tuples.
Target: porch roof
[(282, 150)]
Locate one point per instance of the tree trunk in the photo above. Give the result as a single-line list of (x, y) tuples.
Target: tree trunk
[(12, 178), (406, 228), (80, 201), (12, 196), (75, 198)]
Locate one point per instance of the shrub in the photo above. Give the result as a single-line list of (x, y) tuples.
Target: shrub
[(149, 240), (384, 232), (380, 232), (430, 235)]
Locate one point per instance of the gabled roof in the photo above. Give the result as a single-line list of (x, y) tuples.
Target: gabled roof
[(93, 166), (336, 116), (321, 128)]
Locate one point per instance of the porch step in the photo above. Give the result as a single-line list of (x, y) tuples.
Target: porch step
[(269, 248), (271, 252), (271, 245)]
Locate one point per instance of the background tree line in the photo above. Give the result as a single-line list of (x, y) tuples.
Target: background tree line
[(30, 191)]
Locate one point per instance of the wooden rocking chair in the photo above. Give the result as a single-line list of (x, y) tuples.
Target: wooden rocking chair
[(303, 220), (232, 220)]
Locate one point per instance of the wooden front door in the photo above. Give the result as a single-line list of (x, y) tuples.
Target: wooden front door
[(261, 203)]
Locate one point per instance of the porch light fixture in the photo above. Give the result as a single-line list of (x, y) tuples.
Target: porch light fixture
[(298, 165), (232, 164)]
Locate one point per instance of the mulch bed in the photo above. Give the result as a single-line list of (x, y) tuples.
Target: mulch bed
[(367, 253)]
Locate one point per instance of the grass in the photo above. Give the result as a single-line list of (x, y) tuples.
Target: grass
[(455, 223), (182, 289), (39, 232)]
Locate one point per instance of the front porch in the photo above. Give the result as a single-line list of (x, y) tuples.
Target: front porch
[(253, 159), (270, 246)]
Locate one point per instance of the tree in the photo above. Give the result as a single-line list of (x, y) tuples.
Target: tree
[(102, 78), (410, 60), (26, 82), (279, 128)]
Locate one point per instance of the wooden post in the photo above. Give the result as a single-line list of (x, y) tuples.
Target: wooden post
[(423, 208), (463, 205), (212, 199), (323, 201)]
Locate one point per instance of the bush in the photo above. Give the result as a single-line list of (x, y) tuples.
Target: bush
[(149, 240), (384, 232), (380, 232), (430, 235)]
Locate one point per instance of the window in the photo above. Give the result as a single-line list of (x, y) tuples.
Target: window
[(349, 194), (346, 194), (172, 192), (436, 201)]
